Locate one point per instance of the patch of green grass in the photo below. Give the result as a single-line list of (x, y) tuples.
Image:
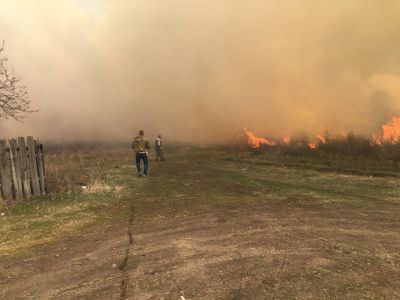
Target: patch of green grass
[(34, 222), (322, 185), (42, 219), (345, 165)]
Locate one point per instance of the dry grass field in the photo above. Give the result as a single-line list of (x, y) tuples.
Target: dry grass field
[(206, 224)]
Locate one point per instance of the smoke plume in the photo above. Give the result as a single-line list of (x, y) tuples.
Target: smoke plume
[(200, 71)]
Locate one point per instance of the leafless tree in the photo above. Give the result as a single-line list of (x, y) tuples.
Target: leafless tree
[(14, 102)]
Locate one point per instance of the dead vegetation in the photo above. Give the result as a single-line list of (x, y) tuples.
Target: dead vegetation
[(355, 147), (76, 166)]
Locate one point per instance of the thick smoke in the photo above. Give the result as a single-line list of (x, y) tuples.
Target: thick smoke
[(199, 71)]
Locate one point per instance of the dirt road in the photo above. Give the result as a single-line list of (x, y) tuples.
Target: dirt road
[(202, 227)]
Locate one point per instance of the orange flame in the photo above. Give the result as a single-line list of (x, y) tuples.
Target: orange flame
[(320, 139), (286, 140), (391, 131), (378, 140), (390, 135), (312, 145), (256, 142)]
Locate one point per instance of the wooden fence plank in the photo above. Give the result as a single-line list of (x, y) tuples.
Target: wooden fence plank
[(40, 164), (6, 173), (8, 168), (26, 176), (22, 169), (33, 166), (16, 168), (2, 171), (21, 165)]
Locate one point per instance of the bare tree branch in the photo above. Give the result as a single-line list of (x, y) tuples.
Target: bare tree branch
[(14, 102)]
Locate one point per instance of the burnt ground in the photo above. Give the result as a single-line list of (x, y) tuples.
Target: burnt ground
[(203, 227)]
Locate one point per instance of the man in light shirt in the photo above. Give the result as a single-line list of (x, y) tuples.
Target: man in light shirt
[(158, 147)]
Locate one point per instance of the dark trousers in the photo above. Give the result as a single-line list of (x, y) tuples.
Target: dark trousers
[(142, 156)]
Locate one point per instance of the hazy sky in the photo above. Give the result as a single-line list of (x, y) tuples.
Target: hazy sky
[(201, 70)]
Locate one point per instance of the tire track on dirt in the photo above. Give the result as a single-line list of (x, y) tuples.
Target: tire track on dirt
[(123, 265)]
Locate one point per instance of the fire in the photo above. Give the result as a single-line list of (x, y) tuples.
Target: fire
[(391, 131), (320, 139), (377, 140), (286, 140), (313, 145), (390, 135), (256, 142)]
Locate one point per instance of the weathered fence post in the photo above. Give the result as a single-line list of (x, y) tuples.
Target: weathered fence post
[(16, 168), (33, 166), (5, 170), (25, 167), (40, 164)]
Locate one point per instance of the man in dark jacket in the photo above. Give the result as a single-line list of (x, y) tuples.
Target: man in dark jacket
[(140, 146)]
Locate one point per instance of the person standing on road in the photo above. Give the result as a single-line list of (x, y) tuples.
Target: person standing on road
[(158, 147), (140, 146)]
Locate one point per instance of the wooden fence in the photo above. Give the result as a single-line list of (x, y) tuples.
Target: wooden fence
[(22, 170)]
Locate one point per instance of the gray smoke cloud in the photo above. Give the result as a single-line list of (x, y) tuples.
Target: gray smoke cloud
[(200, 71)]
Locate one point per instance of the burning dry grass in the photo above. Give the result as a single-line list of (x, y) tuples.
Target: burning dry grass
[(343, 144), (391, 132), (385, 150)]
